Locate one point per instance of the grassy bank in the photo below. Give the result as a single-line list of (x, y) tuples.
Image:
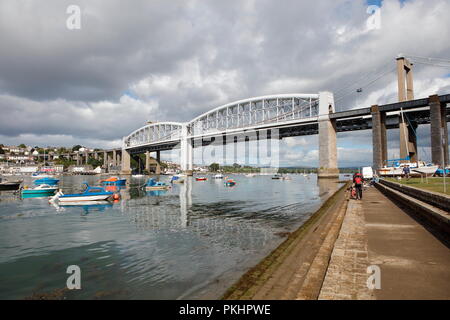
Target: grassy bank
[(244, 288), (435, 184)]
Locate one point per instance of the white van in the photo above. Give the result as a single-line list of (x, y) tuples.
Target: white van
[(367, 173)]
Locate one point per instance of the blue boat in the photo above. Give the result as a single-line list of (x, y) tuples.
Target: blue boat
[(41, 190), (89, 194), (49, 181), (152, 184), (114, 181)]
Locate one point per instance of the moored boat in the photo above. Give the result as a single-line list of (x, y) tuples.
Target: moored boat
[(218, 176), (6, 185), (41, 190), (176, 179), (114, 181), (230, 183), (201, 179), (46, 180), (152, 184), (89, 194), (277, 176)]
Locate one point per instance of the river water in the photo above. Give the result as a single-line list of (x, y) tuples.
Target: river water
[(192, 241)]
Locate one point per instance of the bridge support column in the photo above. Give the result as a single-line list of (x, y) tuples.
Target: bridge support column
[(147, 161), (439, 133), (114, 159), (186, 151), (408, 140), (379, 138), (105, 160), (327, 138), (158, 162), (126, 162)]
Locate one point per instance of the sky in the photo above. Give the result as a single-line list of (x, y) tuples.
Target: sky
[(174, 60)]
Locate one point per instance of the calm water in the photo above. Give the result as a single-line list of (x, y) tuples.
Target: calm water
[(191, 241)]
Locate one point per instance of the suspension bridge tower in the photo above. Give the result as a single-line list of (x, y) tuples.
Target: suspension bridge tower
[(408, 138)]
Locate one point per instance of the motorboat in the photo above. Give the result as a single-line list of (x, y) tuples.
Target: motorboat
[(6, 185), (114, 181), (89, 194), (152, 184), (41, 190), (40, 174), (250, 175), (201, 179), (277, 176), (218, 176), (230, 183), (49, 181), (176, 179)]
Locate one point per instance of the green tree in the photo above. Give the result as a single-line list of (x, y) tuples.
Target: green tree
[(236, 165), (214, 167), (94, 162), (77, 147), (1, 150), (22, 146)]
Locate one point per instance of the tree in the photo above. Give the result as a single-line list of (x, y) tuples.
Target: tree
[(214, 167), (236, 165), (22, 146), (94, 162), (77, 147)]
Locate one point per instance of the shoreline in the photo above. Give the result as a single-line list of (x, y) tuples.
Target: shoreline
[(251, 284)]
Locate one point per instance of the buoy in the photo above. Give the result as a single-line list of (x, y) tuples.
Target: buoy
[(116, 196)]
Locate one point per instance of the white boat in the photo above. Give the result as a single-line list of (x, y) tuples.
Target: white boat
[(250, 175), (426, 169), (90, 194), (417, 168), (218, 176)]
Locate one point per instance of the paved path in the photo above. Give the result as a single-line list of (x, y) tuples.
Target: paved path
[(413, 263)]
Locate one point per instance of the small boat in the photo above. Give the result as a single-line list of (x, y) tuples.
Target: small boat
[(176, 179), (218, 176), (138, 175), (429, 169), (440, 172), (89, 194), (41, 190), (6, 185), (40, 174), (277, 176), (152, 184), (230, 183), (201, 179), (114, 181), (49, 181), (250, 175)]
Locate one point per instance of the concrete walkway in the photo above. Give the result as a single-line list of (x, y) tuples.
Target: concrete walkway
[(413, 263)]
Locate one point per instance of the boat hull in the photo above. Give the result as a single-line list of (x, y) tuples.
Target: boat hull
[(83, 198), (156, 188), (9, 186), (48, 192)]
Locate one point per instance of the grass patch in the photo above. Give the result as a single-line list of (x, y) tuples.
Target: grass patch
[(435, 184)]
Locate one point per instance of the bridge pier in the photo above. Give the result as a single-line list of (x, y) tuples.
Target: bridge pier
[(186, 151), (327, 138), (126, 162), (379, 137), (439, 132)]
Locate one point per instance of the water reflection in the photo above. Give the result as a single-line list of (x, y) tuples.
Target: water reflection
[(150, 245)]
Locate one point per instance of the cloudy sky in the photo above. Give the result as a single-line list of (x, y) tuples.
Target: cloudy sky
[(173, 60)]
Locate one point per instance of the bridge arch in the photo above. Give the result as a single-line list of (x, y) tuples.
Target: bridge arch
[(254, 112), (153, 133)]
